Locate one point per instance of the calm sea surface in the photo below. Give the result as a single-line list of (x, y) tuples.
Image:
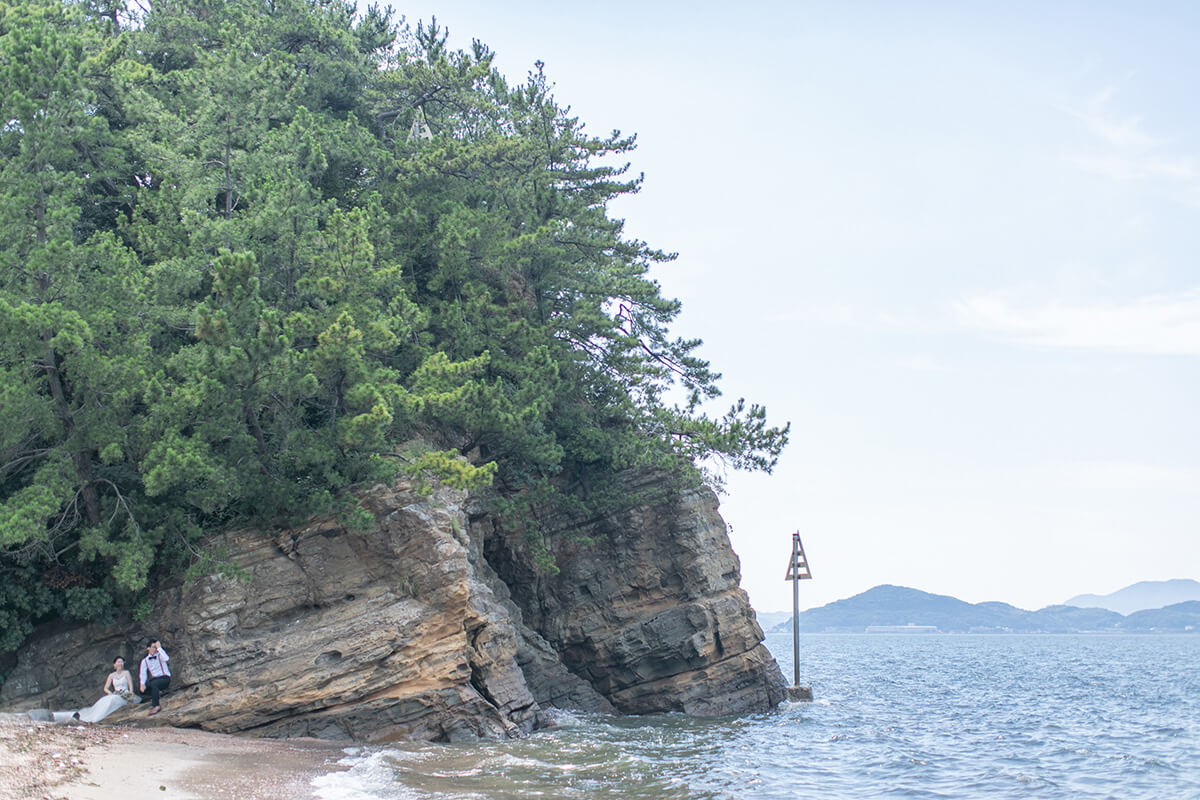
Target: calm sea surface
[(898, 715)]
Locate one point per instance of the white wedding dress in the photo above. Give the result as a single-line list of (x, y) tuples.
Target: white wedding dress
[(102, 707)]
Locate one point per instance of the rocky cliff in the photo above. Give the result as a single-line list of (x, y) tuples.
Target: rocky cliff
[(436, 625), (646, 607)]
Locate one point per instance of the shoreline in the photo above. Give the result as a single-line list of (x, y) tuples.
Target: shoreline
[(41, 760)]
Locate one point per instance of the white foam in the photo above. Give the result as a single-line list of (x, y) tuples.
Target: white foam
[(369, 777), (566, 719)]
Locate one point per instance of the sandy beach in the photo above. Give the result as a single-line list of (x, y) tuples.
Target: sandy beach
[(113, 762)]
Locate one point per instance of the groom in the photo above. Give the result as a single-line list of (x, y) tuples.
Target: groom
[(155, 673)]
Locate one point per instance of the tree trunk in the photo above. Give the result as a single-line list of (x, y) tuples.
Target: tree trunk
[(83, 456)]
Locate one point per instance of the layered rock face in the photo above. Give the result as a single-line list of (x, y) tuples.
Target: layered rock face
[(647, 606), (436, 625), (373, 636)]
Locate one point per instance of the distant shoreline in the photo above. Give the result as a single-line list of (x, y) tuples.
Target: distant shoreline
[(889, 606)]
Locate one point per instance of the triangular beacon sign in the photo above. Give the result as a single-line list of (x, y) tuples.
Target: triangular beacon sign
[(797, 571), (420, 128), (798, 566)]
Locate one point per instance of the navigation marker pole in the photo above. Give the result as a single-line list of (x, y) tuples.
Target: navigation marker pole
[(797, 571)]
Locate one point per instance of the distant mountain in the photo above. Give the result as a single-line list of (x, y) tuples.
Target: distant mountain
[(769, 619), (900, 606), (1177, 618), (1068, 619), (1141, 596)]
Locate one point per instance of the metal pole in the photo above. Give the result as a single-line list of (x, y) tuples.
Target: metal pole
[(796, 608)]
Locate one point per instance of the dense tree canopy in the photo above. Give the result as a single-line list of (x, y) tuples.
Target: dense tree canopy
[(233, 285)]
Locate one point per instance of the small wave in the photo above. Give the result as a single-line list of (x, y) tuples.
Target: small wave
[(470, 772), (927, 725), (369, 777), (563, 718)]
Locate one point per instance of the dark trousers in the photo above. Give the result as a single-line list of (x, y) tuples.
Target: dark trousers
[(157, 686)]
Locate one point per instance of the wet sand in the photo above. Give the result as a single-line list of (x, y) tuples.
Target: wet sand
[(103, 762)]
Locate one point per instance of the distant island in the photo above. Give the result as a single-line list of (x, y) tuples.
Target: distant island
[(1141, 596), (898, 609)]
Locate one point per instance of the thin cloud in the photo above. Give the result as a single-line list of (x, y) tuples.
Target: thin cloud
[(1127, 133), (1159, 324), (1122, 149)]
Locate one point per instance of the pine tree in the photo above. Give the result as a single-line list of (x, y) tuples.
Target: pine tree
[(233, 288), (73, 347)]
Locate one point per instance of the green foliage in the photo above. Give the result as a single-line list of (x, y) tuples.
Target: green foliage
[(407, 586), (448, 468), (24, 599), (216, 561), (142, 610), (24, 513), (231, 286)]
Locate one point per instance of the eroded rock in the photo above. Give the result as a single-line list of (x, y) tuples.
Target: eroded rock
[(435, 625), (646, 607), (375, 635)]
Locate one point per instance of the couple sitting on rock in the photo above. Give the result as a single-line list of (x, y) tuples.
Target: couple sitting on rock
[(154, 676)]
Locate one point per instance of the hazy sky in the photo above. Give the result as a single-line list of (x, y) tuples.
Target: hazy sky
[(954, 243)]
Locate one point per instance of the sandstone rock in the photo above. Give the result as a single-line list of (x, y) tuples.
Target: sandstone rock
[(647, 606), (374, 636), (436, 625)]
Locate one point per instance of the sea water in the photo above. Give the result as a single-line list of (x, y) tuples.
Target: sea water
[(895, 715)]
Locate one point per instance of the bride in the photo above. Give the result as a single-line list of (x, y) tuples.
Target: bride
[(118, 691)]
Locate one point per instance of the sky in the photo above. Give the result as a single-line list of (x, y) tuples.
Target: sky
[(954, 244)]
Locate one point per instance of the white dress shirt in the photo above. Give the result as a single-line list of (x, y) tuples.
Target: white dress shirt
[(154, 666)]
